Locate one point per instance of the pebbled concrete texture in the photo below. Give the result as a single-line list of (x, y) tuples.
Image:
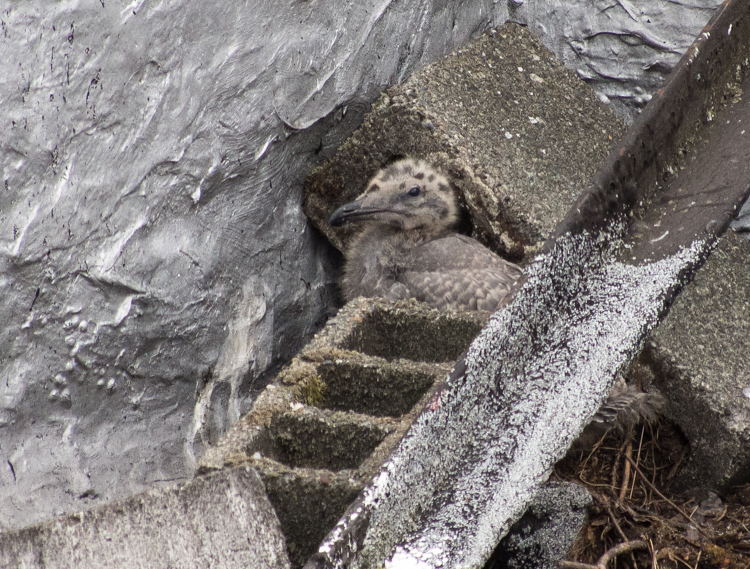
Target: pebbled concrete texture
[(504, 119), (699, 356), (543, 535), (221, 520)]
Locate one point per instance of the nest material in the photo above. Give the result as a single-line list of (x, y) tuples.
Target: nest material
[(629, 474)]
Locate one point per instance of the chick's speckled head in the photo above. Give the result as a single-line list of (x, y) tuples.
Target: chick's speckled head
[(408, 194)]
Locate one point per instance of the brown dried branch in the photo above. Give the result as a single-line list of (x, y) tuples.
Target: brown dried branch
[(619, 530), (607, 557)]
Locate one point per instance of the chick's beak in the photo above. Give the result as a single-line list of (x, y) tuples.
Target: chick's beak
[(347, 212)]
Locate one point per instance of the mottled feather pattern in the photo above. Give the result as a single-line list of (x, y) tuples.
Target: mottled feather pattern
[(626, 407), (458, 290), (408, 248)]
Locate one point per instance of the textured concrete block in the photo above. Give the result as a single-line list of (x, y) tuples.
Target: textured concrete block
[(699, 354), (520, 135), (221, 520), (319, 432)]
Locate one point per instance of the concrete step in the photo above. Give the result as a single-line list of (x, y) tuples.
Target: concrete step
[(320, 431)]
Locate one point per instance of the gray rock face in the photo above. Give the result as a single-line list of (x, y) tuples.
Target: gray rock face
[(638, 42), (155, 261), (222, 520)]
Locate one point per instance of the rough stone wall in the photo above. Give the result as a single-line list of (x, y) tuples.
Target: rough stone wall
[(154, 258)]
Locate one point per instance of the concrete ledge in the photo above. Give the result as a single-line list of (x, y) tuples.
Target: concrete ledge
[(221, 520), (699, 356)]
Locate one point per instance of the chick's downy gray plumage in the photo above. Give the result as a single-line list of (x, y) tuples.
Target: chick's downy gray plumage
[(408, 248)]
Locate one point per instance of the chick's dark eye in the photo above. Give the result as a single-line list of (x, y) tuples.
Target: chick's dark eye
[(414, 191)]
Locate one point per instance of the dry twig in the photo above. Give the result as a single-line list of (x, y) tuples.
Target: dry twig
[(626, 473), (607, 557), (619, 529), (672, 556), (663, 497), (637, 460)]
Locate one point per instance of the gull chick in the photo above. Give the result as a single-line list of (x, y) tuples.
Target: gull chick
[(408, 247)]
